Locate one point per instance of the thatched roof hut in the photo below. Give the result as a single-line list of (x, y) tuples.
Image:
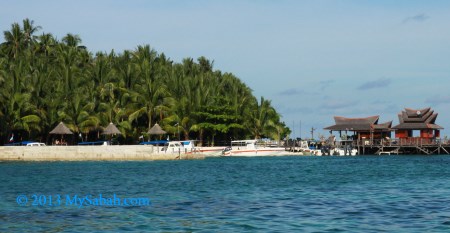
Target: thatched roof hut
[(61, 129), (111, 129), (156, 129)]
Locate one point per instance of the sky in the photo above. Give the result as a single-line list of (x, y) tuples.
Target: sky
[(312, 59)]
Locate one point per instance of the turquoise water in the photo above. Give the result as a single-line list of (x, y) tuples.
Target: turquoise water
[(261, 194)]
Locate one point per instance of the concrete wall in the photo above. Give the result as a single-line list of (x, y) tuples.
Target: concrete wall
[(84, 153)]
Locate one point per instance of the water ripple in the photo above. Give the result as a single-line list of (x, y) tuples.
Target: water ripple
[(273, 194)]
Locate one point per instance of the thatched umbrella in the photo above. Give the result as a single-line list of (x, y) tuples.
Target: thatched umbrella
[(61, 129), (156, 129), (111, 129)]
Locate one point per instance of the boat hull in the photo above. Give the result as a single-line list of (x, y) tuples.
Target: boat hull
[(256, 152), (342, 152)]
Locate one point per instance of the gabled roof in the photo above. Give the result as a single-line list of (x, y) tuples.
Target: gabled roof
[(358, 124), (411, 119), (384, 126)]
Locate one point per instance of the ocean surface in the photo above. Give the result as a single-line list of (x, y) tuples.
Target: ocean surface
[(259, 194)]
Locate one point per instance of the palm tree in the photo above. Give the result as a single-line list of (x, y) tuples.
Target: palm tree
[(18, 39), (13, 41), (44, 81), (202, 98), (262, 118), (151, 95), (39, 82), (151, 98), (21, 114), (68, 69), (45, 44), (28, 32), (183, 105), (126, 70), (72, 40), (110, 106), (238, 97)]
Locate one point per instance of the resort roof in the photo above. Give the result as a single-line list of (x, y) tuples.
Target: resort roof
[(359, 124), (411, 119)]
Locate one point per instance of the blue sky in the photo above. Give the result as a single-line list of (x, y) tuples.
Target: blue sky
[(313, 59)]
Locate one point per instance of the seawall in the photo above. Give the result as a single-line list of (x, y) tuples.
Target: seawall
[(87, 153)]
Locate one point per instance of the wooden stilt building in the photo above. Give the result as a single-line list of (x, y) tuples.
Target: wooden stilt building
[(365, 130), (422, 120), (416, 133)]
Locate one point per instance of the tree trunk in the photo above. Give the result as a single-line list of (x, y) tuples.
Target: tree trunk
[(201, 137)]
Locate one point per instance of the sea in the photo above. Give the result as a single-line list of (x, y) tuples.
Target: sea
[(405, 193)]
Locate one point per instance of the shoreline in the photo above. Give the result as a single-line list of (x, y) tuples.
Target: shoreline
[(91, 153)]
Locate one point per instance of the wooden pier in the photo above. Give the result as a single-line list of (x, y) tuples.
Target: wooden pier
[(402, 146)]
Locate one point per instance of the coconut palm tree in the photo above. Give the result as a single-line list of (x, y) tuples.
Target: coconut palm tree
[(28, 32), (262, 118), (72, 40), (68, 69), (151, 96), (13, 41), (44, 81), (45, 44)]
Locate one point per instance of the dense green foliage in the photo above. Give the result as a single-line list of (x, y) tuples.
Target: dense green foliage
[(44, 81)]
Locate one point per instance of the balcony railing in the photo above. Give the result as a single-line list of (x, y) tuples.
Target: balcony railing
[(412, 141)]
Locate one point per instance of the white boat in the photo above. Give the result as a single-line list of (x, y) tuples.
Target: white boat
[(186, 147), (36, 144), (173, 147), (307, 150), (344, 152), (344, 148), (189, 147), (252, 148)]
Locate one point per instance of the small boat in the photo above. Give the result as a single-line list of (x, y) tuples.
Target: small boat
[(185, 147), (308, 149), (344, 148), (252, 148), (189, 147), (344, 151), (173, 147)]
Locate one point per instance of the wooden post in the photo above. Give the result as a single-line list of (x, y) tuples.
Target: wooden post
[(359, 148)]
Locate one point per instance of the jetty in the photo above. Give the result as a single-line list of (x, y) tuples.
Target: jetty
[(414, 145), (416, 133)]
